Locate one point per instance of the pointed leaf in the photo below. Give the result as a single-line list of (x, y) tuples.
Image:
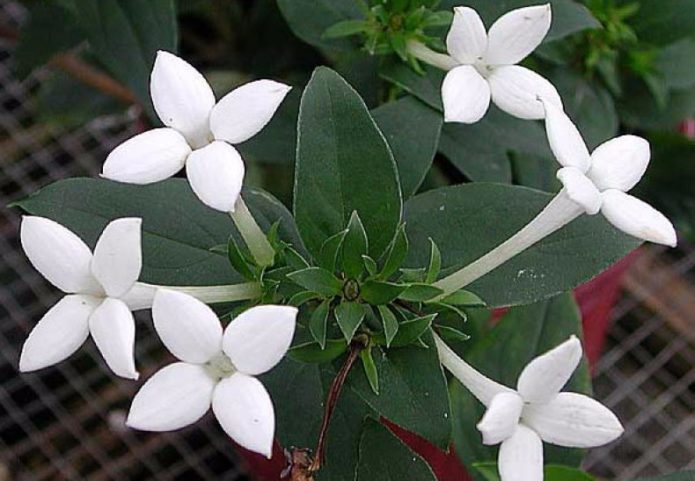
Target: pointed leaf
[(379, 293), (328, 255), (239, 262), (313, 353), (370, 369), (318, 322), (349, 316), (420, 293), (354, 247), (410, 331), (390, 323), (317, 280), (396, 253), (435, 263)]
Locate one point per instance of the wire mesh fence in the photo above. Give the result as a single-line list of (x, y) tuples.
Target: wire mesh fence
[(68, 422)]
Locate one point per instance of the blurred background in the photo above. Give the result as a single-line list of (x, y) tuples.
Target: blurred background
[(61, 116)]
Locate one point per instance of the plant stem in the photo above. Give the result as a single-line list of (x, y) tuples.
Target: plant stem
[(481, 386), (427, 55), (356, 347), (255, 239), (559, 212), (142, 294)]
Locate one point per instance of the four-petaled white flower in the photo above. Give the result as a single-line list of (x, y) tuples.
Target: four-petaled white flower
[(198, 132), (487, 65), (599, 181), (217, 369), (536, 411), (96, 286)]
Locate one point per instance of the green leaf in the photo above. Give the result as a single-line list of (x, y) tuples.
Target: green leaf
[(412, 131), (384, 457), (125, 36), (318, 280), (239, 262), (451, 334), (318, 322), (309, 20), (178, 231), (354, 247), (50, 29), (435, 263), (370, 369), (426, 87), (569, 16), (682, 476), (343, 165), (415, 398), (550, 473), (378, 293), (521, 335), (302, 297), (349, 316), (389, 322), (675, 64), (371, 265), (662, 22), (463, 298), (420, 293), (466, 221), (313, 353), (345, 28), (411, 330), (481, 150), (328, 255), (396, 253)]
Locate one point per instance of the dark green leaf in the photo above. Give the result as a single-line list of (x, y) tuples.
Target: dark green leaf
[(313, 353), (371, 265), (415, 398), (378, 293), (682, 476), (550, 473), (384, 457), (345, 28), (425, 87), (370, 369), (411, 330), (319, 321), (451, 334), (466, 221), (238, 260), (354, 247), (328, 255), (349, 316), (302, 297), (389, 322), (309, 19), (463, 298), (126, 34), (521, 335), (675, 64), (420, 293), (412, 130), (435, 263), (662, 22), (318, 280), (396, 253), (343, 165)]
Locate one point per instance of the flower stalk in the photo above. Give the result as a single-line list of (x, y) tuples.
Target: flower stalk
[(255, 239), (142, 294), (422, 52), (559, 212)]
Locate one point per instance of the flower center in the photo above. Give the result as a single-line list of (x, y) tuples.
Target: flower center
[(220, 366), (483, 69)]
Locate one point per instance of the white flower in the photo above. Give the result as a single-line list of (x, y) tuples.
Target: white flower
[(198, 132), (536, 411), (217, 369), (96, 286), (487, 65), (599, 182)]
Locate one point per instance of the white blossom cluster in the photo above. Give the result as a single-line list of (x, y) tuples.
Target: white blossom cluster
[(217, 367)]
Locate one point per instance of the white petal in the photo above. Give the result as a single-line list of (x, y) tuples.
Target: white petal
[(58, 254), (176, 396), (216, 174), (521, 456), (573, 420), (516, 34), (501, 418), (186, 326), (516, 90), (467, 39), (140, 296), (259, 338), (117, 257), (113, 329), (542, 378), (59, 333), (245, 411), (566, 142), (637, 218), (182, 98), (619, 163), (580, 189), (244, 111), (465, 94), (148, 157)]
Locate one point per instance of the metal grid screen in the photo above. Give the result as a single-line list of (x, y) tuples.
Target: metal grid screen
[(67, 422)]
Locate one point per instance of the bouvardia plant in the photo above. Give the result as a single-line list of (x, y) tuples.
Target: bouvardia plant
[(312, 327)]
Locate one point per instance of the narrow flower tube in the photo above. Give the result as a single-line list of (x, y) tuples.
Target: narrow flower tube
[(142, 294), (255, 239), (559, 212)]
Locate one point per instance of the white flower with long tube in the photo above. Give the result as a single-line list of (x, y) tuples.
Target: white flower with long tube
[(520, 420), (217, 369), (483, 65), (592, 183), (199, 133), (96, 286)]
